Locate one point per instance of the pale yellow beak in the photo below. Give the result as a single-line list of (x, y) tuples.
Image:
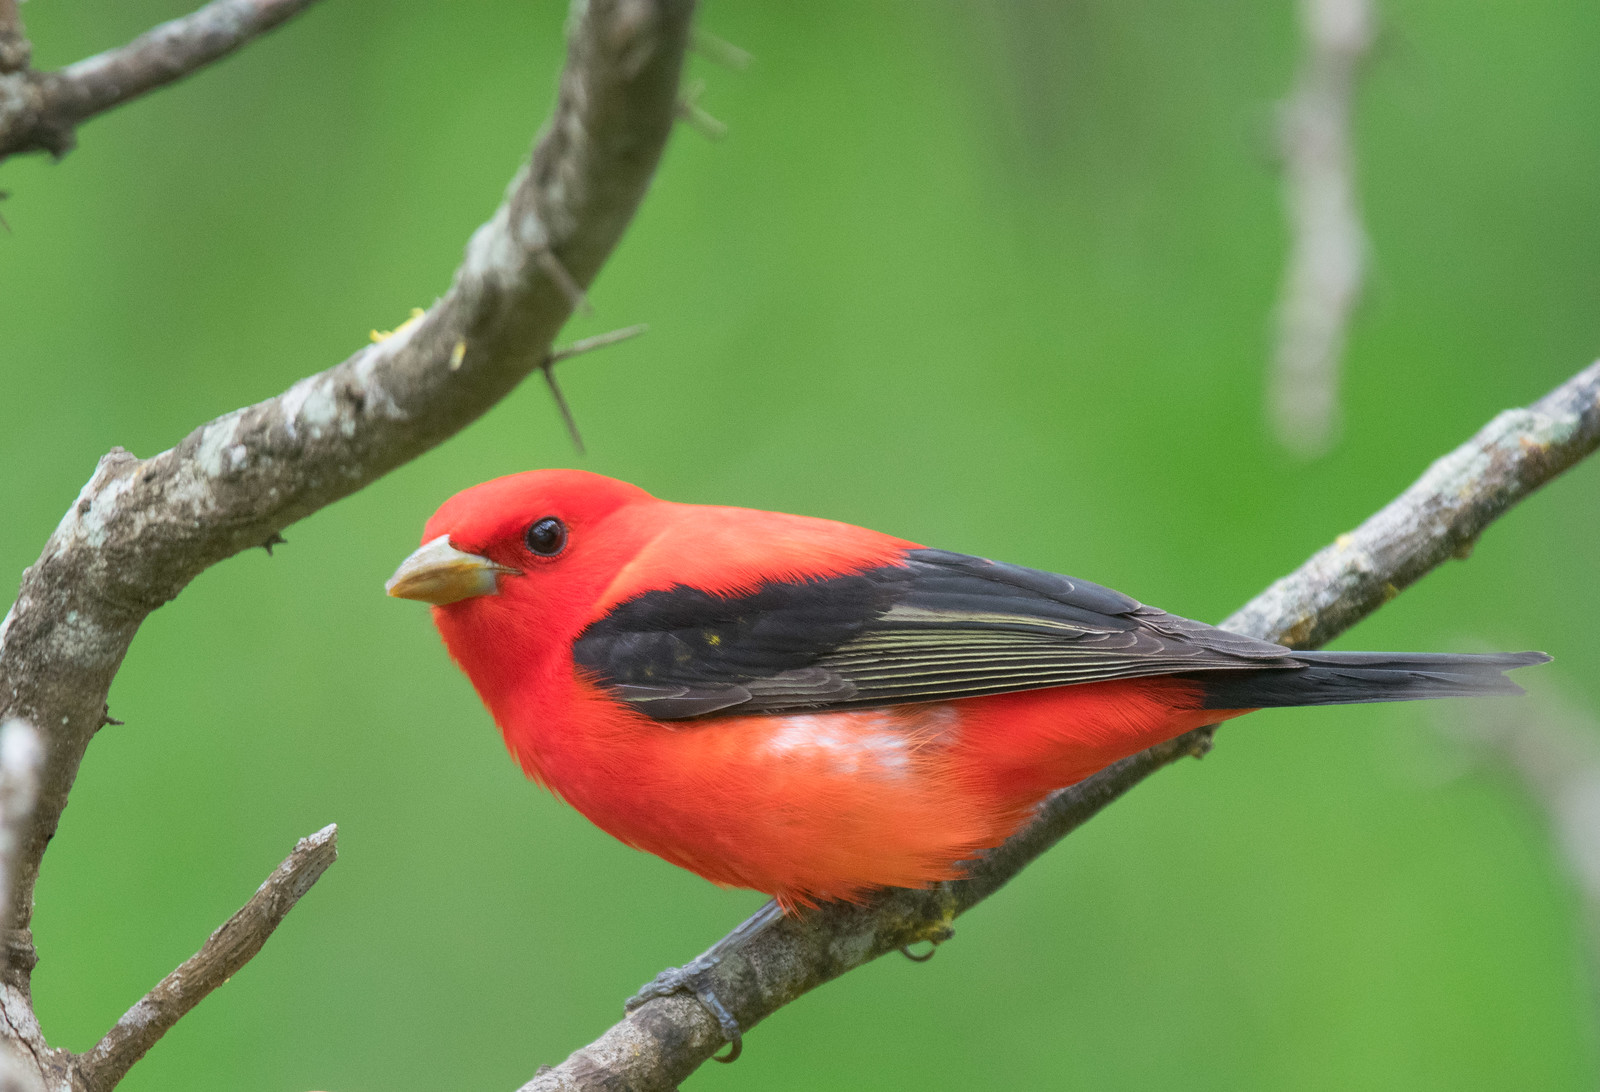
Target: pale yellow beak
[(438, 573)]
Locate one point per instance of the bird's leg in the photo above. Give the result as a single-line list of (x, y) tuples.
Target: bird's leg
[(695, 977)]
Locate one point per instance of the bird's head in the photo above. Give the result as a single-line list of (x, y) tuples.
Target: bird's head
[(514, 565)]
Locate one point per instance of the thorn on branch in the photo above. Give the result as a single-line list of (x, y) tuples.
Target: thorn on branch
[(274, 539), (577, 348), (720, 50), (548, 368), (109, 721), (690, 110), (599, 341)]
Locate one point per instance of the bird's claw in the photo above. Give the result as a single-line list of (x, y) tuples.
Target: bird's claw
[(694, 978)]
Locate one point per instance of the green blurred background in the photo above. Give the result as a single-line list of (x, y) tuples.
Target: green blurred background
[(993, 276)]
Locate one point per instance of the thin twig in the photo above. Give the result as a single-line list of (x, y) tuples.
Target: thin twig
[(227, 950), (660, 1043), (39, 111), (577, 348), (1327, 249)]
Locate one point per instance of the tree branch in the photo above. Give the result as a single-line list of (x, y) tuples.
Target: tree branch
[(1439, 517), (140, 530), (39, 111), (227, 950), (1327, 248)]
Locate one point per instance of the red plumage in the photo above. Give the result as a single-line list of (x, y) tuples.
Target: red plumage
[(802, 803)]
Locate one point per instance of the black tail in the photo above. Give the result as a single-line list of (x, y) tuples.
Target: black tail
[(1341, 678)]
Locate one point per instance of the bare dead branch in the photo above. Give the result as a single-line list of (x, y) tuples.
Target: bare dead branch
[(1327, 249), (598, 341), (1439, 517), (40, 111), (227, 950)]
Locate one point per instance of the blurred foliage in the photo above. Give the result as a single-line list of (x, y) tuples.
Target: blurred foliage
[(992, 276)]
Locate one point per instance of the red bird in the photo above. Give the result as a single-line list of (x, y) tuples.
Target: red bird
[(815, 710)]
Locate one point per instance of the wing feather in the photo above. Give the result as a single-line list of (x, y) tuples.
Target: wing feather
[(938, 627)]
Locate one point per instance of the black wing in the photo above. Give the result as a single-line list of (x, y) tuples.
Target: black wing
[(940, 626)]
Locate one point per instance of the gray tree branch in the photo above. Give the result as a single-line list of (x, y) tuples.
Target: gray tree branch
[(1439, 517), (141, 529), (1327, 246), (227, 950), (40, 111)]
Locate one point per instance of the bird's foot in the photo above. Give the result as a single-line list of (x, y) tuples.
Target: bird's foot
[(696, 977)]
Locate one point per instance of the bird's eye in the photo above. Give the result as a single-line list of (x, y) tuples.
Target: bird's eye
[(547, 537)]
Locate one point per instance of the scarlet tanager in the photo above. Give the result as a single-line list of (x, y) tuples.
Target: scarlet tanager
[(815, 710)]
